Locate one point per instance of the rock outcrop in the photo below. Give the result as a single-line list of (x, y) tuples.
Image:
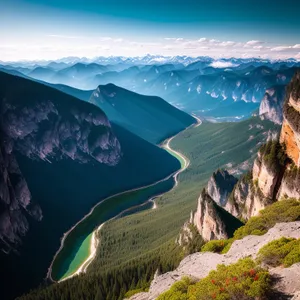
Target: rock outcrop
[(275, 174), (271, 105), (198, 265), (265, 177), (220, 185), (15, 201), (207, 220), (212, 221), (290, 133)]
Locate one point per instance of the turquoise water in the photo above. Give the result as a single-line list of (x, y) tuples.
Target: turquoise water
[(77, 244)]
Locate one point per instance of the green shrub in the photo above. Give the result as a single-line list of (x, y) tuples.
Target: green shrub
[(284, 251), (281, 211), (217, 246), (243, 280), (178, 291), (274, 155), (133, 292)]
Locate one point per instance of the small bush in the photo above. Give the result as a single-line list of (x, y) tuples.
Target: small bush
[(284, 251), (281, 211), (217, 246), (178, 291), (243, 280)]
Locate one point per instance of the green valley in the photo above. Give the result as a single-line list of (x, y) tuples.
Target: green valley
[(142, 242)]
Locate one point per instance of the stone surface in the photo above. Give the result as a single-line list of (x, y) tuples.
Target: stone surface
[(265, 177), (288, 280), (271, 105), (292, 142), (198, 265), (207, 219), (220, 185)]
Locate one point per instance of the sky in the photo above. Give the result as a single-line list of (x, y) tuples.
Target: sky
[(52, 29)]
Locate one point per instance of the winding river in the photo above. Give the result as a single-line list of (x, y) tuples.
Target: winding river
[(79, 244)]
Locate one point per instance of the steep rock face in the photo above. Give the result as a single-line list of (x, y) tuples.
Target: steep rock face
[(271, 104), (38, 126), (246, 200), (290, 184), (220, 185), (212, 221), (290, 133), (42, 130), (207, 220), (274, 177), (15, 201), (265, 177), (291, 140)]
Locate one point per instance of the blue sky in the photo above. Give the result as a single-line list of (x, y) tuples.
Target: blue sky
[(48, 29)]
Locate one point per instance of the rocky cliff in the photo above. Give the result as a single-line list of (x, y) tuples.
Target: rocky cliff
[(290, 133), (40, 127), (207, 220), (220, 185), (211, 220), (15, 201), (271, 105), (275, 174)]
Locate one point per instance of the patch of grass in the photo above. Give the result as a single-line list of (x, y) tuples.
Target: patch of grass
[(284, 251), (242, 280)]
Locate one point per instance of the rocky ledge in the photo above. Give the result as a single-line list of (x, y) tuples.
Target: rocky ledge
[(198, 265)]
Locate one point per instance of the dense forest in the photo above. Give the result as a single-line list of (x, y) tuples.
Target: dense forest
[(135, 274)]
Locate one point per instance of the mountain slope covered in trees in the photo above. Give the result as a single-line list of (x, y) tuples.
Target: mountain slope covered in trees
[(59, 157)]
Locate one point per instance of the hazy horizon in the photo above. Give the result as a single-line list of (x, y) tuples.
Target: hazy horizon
[(50, 30)]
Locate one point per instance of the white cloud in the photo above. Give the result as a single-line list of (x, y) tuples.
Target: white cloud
[(254, 43), (60, 36), (227, 44), (281, 48), (286, 48), (55, 46), (222, 64)]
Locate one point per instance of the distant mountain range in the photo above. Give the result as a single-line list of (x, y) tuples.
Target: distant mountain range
[(147, 59), (219, 90)]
